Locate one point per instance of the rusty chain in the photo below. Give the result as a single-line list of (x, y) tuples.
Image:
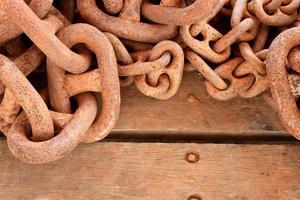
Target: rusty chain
[(84, 49)]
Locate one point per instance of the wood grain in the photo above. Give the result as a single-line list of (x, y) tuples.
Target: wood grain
[(193, 113), (157, 171)]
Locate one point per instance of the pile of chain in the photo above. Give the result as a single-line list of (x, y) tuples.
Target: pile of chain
[(55, 56)]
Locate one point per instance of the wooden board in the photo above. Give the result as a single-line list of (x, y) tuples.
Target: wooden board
[(192, 113), (157, 171)]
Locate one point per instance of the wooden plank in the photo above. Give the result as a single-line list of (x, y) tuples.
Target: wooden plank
[(112, 170), (192, 112)]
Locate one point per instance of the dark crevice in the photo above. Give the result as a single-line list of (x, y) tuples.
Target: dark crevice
[(194, 138), (203, 138)]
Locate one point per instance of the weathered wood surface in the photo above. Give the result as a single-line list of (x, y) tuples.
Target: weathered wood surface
[(193, 113), (110, 170)]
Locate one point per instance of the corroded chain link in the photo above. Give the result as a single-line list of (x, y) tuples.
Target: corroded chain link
[(88, 48)]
